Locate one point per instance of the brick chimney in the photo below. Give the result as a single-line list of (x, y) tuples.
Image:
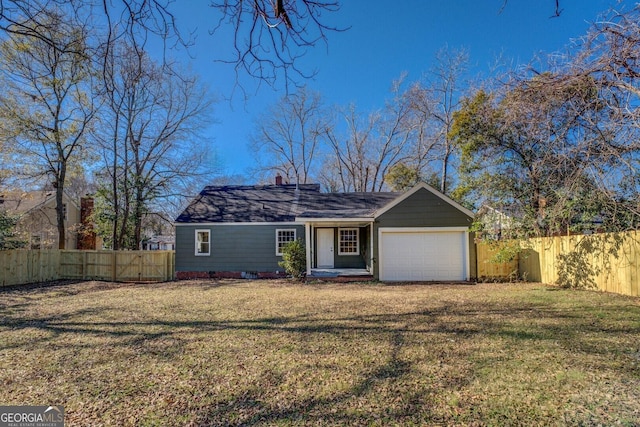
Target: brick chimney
[(86, 235), (278, 179), (86, 209)]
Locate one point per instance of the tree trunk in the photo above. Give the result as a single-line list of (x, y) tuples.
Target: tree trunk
[(59, 183), (445, 167)]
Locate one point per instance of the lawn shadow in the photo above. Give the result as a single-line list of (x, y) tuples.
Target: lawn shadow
[(452, 322), (532, 321), (314, 409), (39, 286)]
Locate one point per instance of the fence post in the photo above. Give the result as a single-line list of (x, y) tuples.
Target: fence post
[(84, 265), (29, 262), (172, 265), (114, 266)]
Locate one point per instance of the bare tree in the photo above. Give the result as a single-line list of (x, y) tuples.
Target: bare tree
[(557, 11), (351, 152), (269, 37), (132, 21), (46, 100), (425, 148), (149, 140), (433, 101), (371, 145), (289, 136)]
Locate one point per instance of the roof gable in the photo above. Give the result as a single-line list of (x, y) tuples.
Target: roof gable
[(21, 202), (417, 188)]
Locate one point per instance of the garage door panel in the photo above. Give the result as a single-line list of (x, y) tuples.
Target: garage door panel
[(422, 255)]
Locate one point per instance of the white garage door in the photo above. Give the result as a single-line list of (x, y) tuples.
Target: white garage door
[(423, 254)]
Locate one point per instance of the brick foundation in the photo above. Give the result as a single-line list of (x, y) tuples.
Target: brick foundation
[(188, 275)]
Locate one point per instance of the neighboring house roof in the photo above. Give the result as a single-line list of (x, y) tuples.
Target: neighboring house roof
[(504, 218), (279, 203), (505, 211), (22, 202), (161, 239)]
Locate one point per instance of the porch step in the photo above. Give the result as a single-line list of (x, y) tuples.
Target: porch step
[(340, 274), (341, 279)]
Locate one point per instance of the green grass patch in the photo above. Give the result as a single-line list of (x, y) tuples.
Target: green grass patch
[(257, 353)]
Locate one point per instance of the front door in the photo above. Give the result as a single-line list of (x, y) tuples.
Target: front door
[(325, 247)]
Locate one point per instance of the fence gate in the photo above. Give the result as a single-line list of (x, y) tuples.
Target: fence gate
[(144, 266)]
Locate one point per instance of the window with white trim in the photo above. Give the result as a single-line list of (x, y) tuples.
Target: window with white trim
[(284, 236), (349, 241), (203, 242)]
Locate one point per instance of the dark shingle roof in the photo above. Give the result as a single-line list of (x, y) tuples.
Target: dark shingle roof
[(279, 203), (346, 205)]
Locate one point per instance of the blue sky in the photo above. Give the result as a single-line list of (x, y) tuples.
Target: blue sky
[(385, 39)]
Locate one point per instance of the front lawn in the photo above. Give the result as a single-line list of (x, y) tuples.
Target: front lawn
[(257, 353)]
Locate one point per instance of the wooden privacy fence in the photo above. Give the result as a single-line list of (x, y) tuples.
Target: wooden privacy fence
[(18, 267), (32, 266), (490, 268), (607, 261)]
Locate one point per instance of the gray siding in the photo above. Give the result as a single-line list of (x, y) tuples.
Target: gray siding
[(424, 209), (248, 248)]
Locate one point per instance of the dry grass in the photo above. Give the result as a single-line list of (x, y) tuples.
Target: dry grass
[(277, 353)]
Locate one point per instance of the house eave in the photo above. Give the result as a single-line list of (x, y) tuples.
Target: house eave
[(333, 220), (48, 201), (211, 223)]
